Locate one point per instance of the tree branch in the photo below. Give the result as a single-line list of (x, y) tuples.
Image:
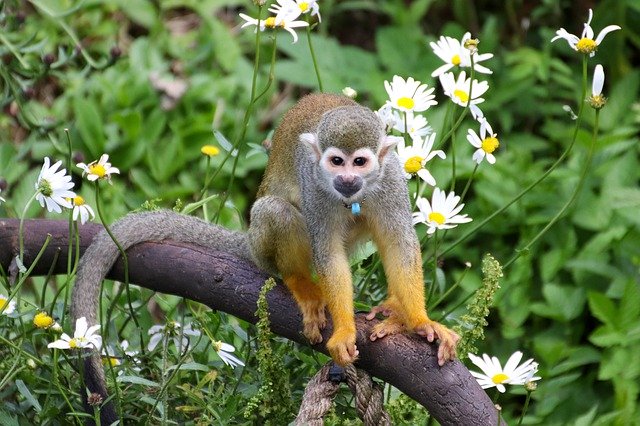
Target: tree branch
[(229, 284)]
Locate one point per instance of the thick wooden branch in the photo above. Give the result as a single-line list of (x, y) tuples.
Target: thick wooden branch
[(228, 284)]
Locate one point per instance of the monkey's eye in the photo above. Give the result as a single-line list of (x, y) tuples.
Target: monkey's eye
[(336, 161), (359, 161)]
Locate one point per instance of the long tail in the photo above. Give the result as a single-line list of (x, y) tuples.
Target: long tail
[(100, 256)]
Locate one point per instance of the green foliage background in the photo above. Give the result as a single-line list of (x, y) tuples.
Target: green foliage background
[(572, 301)]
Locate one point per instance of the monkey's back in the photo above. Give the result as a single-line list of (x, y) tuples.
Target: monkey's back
[(280, 176)]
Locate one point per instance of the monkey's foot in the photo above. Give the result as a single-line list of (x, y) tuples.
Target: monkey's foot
[(314, 320), (448, 339), (342, 347)]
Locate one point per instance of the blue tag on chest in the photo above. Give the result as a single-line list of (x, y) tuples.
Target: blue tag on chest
[(355, 209)]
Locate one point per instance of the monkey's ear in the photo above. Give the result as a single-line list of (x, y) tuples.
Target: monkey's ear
[(311, 139), (388, 143)]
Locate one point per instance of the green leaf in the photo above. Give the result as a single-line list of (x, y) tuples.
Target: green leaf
[(191, 366), (90, 127), (563, 302), (7, 419), (602, 308), (26, 393), (629, 313), (141, 12), (606, 336), (137, 381)]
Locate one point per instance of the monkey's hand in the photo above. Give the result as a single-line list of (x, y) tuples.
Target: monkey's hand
[(342, 347)]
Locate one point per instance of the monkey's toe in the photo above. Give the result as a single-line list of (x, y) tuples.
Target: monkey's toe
[(448, 339), (391, 325)]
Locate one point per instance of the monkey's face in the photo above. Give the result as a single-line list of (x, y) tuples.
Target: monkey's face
[(349, 172)]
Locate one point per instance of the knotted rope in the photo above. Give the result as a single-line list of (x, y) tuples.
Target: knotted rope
[(322, 388)]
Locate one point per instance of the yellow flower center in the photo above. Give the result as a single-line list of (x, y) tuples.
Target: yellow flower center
[(437, 218), (42, 320), (45, 188), (586, 45), (217, 345), (413, 164), (97, 169), (210, 150), (406, 103), (456, 60), (304, 6), (490, 144), (499, 378), (462, 95), (3, 303), (78, 201), (597, 101), (73, 343)]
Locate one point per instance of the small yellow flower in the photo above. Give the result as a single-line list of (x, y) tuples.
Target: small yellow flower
[(210, 150), (43, 320), (100, 169)]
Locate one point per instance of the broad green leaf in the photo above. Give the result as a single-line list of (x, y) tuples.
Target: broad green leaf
[(26, 393), (629, 313), (602, 308), (89, 125)]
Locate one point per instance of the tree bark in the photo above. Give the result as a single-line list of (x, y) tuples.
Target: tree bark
[(226, 283)]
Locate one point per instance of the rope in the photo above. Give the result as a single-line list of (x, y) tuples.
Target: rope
[(322, 388)]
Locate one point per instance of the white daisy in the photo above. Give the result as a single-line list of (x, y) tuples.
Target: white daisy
[(597, 100), (585, 43), (409, 95), (493, 375), (53, 187), (172, 329), (414, 157), (455, 54), (224, 351), (486, 143), (100, 169), (83, 337), (6, 306), (291, 9), (80, 208), (441, 213), (287, 24), (458, 89), (416, 125)]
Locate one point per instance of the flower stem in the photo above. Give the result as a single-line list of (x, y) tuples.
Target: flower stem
[(466, 187), (569, 202), (21, 227), (541, 178), (524, 409), (245, 124), (313, 56)]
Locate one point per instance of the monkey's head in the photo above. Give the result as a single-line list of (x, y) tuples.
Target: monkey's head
[(349, 146)]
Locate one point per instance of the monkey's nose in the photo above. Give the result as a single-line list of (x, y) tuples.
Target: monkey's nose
[(347, 186)]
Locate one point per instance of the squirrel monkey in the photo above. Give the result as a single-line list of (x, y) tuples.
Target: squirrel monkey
[(331, 181)]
